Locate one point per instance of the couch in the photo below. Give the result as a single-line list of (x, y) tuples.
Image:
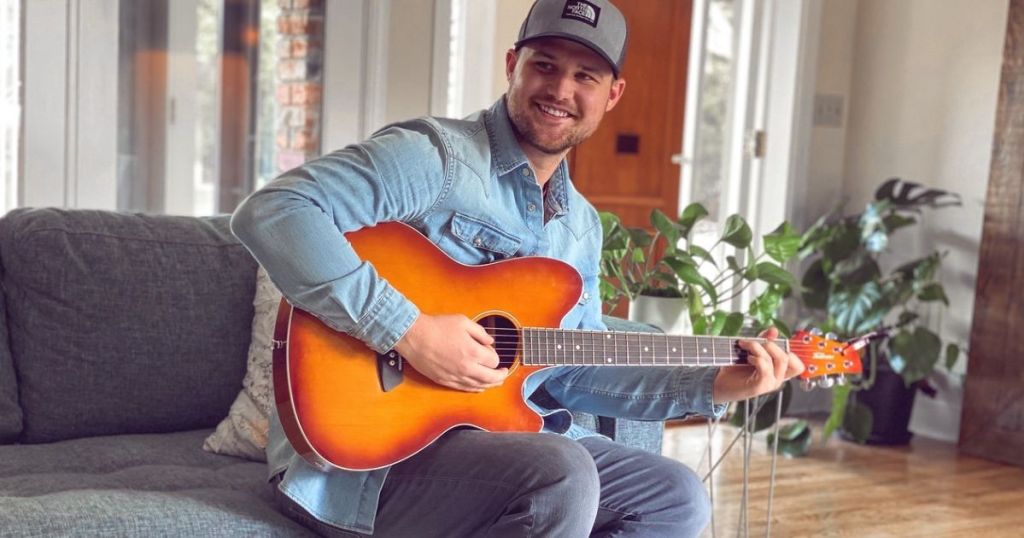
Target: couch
[(123, 342)]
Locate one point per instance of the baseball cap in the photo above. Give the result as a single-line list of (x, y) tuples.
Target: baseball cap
[(597, 24)]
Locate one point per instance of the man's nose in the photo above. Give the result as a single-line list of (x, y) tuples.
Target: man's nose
[(561, 87)]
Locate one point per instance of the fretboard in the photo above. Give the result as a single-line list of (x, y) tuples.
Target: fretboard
[(550, 347)]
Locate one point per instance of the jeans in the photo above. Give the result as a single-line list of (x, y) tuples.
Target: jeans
[(473, 483)]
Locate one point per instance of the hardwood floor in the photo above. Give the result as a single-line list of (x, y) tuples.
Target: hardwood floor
[(844, 489)]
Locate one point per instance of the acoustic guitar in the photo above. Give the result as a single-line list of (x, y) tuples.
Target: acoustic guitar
[(344, 405)]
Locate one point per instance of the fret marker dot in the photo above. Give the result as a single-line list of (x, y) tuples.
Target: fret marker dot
[(558, 346), (577, 346), (609, 359), (673, 350), (705, 350), (645, 348), (609, 337)]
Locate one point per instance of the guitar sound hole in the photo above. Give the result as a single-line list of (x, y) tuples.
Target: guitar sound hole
[(506, 338)]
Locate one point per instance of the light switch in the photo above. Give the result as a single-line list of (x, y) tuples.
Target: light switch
[(828, 110)]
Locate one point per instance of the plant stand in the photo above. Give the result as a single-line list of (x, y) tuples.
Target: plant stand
[(891, 403)]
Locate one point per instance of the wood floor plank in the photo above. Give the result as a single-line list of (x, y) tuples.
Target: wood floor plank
[(843, 489)]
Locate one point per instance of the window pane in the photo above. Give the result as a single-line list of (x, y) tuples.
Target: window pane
[(709, 170)]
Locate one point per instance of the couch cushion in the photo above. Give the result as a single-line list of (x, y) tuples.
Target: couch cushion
[(124, 323), (135, 485), (10, 411)]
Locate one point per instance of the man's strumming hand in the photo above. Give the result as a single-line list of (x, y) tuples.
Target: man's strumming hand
[(769, 367), (452, 351)]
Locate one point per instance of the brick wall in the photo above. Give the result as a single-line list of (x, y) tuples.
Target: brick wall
[(299, 81)]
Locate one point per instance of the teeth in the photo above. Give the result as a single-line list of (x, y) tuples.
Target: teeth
[(554, 111)]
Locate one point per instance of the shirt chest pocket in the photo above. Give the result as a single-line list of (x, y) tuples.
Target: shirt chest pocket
[(473, 241)]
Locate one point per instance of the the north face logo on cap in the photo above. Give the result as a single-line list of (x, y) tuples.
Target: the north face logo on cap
[(582, 10)]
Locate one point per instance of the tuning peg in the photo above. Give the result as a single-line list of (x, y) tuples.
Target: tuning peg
[(815, 331), (807, 385), (841, 380), (825, 382), (831, 336)]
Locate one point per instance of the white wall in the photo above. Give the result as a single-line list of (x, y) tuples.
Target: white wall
[(510, 15), (410, 47), (921, 79)]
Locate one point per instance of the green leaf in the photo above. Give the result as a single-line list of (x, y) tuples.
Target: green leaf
[(918, 350), (896, 221), (667, 228), (693, 213), (933, 292), (638, 255), (842, 242), (784, 330), (773, 274), (855, 308), (908, 194), (840, 397), (815, 286), (717, 322), (858, 421), (696, 307), (733, 264), (952, 354), (794, 439), (856, 270), (699, 252), (783, 243), (737, 232), (733, 324), (689, 274), (640, 237)]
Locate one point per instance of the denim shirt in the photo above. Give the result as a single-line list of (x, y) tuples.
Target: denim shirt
[(468, 187)]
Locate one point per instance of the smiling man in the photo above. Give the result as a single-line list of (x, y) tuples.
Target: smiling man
[(485, 188)]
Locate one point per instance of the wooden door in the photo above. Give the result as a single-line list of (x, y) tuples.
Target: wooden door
[(626, 166), (992, 419)]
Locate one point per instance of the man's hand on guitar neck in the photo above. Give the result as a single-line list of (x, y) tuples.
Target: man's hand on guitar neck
[(452, 351), (769, 368)]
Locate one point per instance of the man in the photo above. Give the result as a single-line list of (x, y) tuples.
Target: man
[(485, 188)]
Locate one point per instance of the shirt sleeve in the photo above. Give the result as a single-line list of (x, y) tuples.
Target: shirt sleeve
[(294, 227), (636, 392)]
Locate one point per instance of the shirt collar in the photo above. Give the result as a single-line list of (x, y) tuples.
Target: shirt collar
[(506, 156)]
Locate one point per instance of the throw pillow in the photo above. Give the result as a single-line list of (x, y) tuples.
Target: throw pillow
[(244, 432)]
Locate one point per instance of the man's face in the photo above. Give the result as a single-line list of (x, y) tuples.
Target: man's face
[(558, 92)]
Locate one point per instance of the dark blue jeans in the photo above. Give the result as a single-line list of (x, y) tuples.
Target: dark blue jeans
[(473, 483)]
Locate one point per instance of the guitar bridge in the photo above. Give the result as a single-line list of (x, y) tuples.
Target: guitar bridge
[(389, 370)]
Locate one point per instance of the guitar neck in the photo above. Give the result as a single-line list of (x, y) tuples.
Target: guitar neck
[(558, 347)]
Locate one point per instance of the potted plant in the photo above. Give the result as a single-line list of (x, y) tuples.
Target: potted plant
[(851, 294), (665, 262)]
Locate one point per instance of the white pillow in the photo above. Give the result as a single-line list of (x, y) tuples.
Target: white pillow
[(244, 432)]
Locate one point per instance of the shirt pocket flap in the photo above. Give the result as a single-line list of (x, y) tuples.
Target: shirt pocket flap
[(483, 235)]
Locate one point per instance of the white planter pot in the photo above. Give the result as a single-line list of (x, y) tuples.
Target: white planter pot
[(666, 313)]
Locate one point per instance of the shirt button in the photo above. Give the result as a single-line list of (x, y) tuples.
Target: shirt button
[(531, 207), (526, 171), (586, 296), (477, 241)]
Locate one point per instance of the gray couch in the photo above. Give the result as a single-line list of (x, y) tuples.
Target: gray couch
[(123, 342)]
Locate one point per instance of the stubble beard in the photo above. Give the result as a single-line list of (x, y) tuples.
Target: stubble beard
[(526, 131)]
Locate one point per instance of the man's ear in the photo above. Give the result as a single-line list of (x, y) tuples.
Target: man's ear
[(615, 93), (511, 58)]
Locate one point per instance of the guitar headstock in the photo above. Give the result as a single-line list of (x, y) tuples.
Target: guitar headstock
[(826, 361)]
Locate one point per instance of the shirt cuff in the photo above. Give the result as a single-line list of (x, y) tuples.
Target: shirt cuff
[(695, 391), (387, 321)]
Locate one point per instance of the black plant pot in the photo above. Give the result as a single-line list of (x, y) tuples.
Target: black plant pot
[(890, 402)]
